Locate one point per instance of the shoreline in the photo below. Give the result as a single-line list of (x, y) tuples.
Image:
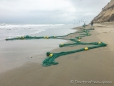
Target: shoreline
[(17, 53), (96, 64)]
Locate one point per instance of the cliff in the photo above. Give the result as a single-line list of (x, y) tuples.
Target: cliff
[(107, 13)]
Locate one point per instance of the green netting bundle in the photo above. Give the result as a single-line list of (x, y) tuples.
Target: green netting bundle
[(80, 43), (35, 37), (50, 60)]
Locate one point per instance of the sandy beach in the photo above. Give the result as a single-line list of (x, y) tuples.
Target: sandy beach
[(92, 65)]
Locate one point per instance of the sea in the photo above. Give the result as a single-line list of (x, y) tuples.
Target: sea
[(15, 30)]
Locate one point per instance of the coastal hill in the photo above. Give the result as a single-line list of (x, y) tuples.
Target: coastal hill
[(107, 13)]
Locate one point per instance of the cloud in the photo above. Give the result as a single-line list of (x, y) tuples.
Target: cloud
[(36, 5), (49, 11)]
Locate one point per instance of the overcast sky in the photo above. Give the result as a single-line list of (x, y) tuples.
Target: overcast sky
[(49, 11)]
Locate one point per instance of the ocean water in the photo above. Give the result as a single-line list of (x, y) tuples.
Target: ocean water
[(17, 53), (13, 30)]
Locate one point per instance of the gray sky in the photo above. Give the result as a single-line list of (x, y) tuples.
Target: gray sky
[(49, 11)]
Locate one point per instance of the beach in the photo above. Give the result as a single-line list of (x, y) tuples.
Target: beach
[(73, 69)]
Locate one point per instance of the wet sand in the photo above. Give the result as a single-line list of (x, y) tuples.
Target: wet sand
[(17, 53), (92, 65)]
